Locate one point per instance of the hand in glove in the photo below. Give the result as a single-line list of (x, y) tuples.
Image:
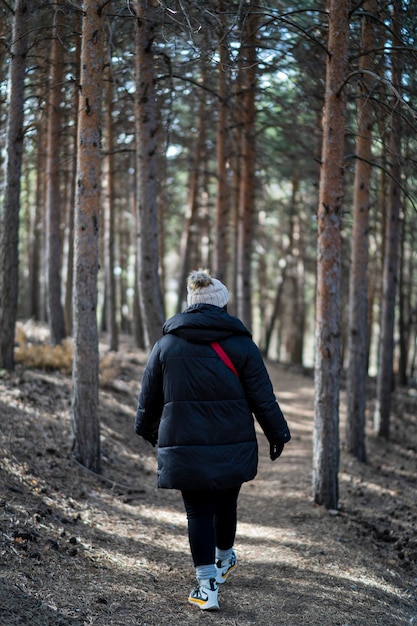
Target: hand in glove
[(152, 438), (275, 449)]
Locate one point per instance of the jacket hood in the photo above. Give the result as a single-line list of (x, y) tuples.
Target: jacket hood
[(204, 323)]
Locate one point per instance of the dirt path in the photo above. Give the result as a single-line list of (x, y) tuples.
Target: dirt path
[(77, 549)]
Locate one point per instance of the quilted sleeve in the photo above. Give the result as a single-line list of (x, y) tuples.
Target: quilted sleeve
[(261, 398), (151, 399)]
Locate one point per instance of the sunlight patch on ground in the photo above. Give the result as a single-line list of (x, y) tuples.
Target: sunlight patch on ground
[(356, 575), (286, 395), (301, 392), (167, 516), (252, 539), (297, 411), (286, 551), (293, 395), (372, 487), (267, 533), (123, 561)]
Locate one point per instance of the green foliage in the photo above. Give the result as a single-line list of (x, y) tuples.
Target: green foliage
[(291, 50)]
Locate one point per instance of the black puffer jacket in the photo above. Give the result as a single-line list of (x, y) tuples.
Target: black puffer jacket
[(199, 410)]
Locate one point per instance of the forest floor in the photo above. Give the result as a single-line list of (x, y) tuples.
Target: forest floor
[(112, 550)]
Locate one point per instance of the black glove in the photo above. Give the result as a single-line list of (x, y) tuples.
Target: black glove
[(275, 449), (152, 438)]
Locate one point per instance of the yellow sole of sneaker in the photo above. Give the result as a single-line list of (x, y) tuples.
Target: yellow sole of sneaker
[(203, 605)]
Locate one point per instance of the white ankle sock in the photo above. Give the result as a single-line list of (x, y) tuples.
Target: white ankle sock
[(205, 572), (223, 555)]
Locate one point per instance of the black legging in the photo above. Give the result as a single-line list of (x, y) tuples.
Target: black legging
[(212, 517)]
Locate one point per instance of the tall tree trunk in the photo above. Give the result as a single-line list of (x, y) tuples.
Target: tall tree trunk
[(297, 308), (163, 213), (150, 293), (247, 180), (358, 286), (26, 234), (406, 275), (53, 191), (291, 248), (298, 316), (36, 244), (72, 189), (127, 229), (137, 326), (276, 309), (392, 240), (9, 217), (328, 311), (403, 311), (85, 420), (109, 219), (235, 187), (190, 232), (221, 239)]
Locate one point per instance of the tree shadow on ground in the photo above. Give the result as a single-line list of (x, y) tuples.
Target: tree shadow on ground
[(111, 550), (18, 607)]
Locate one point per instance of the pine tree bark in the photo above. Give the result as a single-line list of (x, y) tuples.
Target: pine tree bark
[(151, 301), (328, 304), (9, 216), (85, 420), (36, 243), (246, 226), (221, 240), (404, 306), (109, 220), (127, 246), (236, 122), (72, 189), (289, 269), (392, 241), (297, 325), (189, 234), (53, 191), (276, 310), (358, 287)]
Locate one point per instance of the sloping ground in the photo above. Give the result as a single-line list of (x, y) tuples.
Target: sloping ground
[(112, 550)]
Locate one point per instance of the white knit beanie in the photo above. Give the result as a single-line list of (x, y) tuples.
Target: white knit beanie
[(203, 289)]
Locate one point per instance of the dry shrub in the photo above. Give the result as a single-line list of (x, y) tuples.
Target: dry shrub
[(43, 356), (109, 370)]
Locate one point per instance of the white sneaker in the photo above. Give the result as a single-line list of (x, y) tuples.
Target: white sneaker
[(224, 568), (205, 595)]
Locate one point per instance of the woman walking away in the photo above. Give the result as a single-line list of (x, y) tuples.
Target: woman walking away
[(204, 381)]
